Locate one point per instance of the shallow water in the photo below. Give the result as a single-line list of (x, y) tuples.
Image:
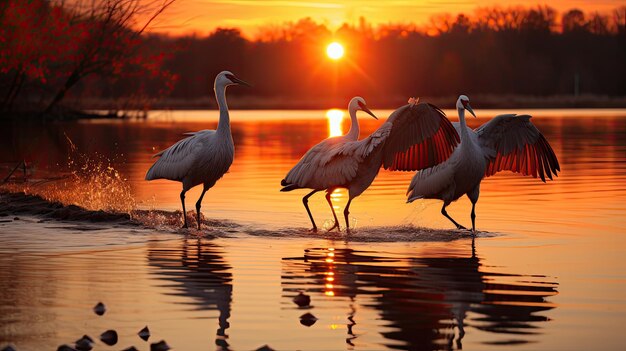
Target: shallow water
[(547, 272)]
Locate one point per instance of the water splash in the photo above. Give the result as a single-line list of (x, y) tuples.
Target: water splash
[(172, 222), (88, 181)]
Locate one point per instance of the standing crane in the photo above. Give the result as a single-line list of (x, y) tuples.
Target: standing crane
[(204, 156), (414, 137), (507, 142)]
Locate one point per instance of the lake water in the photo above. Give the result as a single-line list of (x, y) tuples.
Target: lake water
[(547, 271)]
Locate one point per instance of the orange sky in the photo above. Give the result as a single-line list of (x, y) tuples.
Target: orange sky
[(202, 16)]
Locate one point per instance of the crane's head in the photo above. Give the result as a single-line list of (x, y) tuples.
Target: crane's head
[(463, 104), (358, 103), (226, 78)]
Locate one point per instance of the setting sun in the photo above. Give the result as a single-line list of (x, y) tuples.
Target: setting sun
[(334, 51)]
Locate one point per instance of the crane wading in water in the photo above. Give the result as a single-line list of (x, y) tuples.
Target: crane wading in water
[(507, 142), (203, 157), (414, 137)]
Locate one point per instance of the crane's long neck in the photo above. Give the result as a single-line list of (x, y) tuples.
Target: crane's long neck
[(464, 133), (353, 133), (224, 122)]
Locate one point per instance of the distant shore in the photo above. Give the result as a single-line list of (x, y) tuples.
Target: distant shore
[(316, 103)]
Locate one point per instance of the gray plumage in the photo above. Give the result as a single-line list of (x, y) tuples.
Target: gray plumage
[(414, 137), (203, 157), (507, 142)]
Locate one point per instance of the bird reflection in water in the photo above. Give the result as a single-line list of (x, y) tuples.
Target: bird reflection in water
[(428, 300), (200, 271)]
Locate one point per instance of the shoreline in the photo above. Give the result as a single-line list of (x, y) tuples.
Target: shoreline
[(15, 204)]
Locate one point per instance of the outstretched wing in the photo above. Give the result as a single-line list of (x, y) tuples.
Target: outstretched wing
[(416, 137), (327, 164), (175, 161), (511, 142)]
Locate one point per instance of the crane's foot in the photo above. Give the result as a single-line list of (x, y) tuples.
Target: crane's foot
[(336, 225), (313, 230), (460, 227), (184, 226)]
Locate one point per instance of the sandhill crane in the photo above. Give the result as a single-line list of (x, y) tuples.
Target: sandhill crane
[(204, 156), (507, 142), (414, 137)]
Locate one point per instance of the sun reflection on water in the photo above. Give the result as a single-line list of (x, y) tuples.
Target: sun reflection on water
[(330, 272), (335, 117)]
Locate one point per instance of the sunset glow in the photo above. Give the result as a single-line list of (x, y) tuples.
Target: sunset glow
[(335, 51), (203, 17), (335, 117)]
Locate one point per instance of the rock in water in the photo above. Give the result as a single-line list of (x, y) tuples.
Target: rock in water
[(85, 338), (302, 299), (144, 333), (109, 337), (308, 319), (66, 348), (132, 348), (99, 309), (223, 344), (159, 346), (265, 348), (9, 347), (84, 344)]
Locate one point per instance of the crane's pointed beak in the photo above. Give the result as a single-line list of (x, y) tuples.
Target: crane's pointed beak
[(469, 108), (367, 110), (240, 82)]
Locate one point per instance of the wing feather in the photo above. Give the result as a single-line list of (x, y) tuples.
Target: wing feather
[(175, 161), (512, 142), (430, 182), (418, 136), (328, 164)]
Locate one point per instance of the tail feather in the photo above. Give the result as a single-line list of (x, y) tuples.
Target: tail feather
[(150, 175), (431, 182), (288, 187), (412, 198)]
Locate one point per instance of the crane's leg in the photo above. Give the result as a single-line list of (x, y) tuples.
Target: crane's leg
[(346, 212), (443, 212), (182, 200), (336, 225), (199, 204), (473, 196), (473, 215), (305, 201)]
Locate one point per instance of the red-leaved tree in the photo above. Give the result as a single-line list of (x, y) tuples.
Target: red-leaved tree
[(51, 46)]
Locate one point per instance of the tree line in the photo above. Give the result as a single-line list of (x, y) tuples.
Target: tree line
[(499, 51)]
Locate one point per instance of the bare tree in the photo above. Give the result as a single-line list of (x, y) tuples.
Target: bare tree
[(109, 37)]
